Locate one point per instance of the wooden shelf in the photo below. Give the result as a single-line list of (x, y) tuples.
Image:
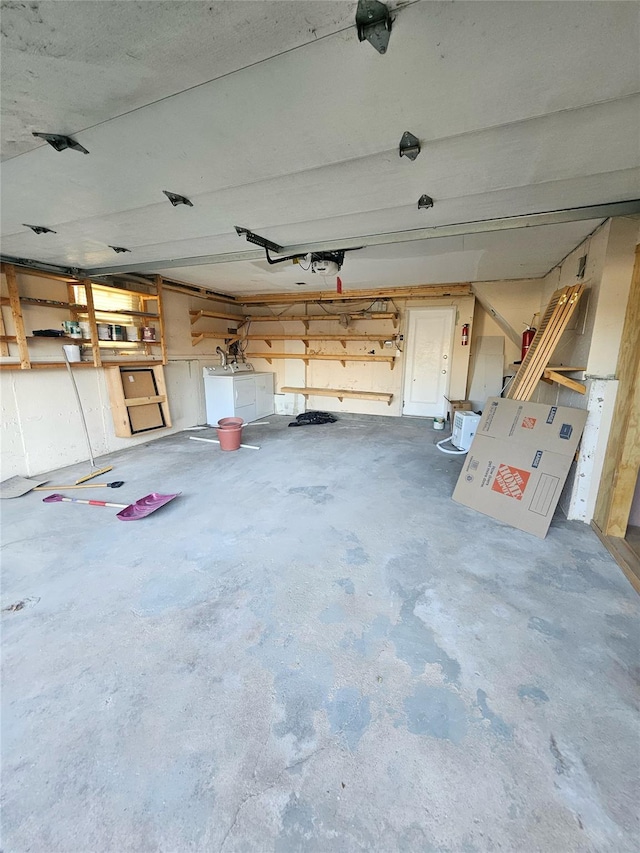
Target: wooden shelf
[(51, 303), (102, 342), (58, 338), (557, 374), (23, 341), (305, 338), (216, 315), (340, 393), (119, 313), (341, 357), (307, 318), (198, 337), (44, 365)]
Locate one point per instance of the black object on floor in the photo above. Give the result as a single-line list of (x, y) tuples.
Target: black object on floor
[(310, 418)]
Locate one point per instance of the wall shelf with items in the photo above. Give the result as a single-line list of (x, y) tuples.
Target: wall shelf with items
[(91, 308)]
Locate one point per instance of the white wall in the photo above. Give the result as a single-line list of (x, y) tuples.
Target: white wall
[(517, 301), (592, 340), (360, 376)]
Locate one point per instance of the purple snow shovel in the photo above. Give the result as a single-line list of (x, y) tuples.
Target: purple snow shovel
[(132, 512)]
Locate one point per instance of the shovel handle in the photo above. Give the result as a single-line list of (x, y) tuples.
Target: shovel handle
[(94, 503)]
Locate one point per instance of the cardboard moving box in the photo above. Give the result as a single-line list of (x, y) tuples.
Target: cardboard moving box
[(457, 406), (519, 461)]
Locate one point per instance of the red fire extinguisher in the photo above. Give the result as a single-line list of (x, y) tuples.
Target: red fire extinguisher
[(527, 336), (465, 335)]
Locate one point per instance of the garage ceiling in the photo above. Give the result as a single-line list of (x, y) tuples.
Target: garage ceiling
[(273, 116)]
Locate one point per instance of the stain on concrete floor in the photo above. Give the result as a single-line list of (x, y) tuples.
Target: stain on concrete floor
[(323, 654)]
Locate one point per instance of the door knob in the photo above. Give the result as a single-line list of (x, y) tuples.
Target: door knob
[(444, 371)]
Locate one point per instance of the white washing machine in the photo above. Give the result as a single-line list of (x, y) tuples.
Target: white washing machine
[(237, 392)]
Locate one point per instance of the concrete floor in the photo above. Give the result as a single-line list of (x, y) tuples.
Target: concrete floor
[(313, 649)]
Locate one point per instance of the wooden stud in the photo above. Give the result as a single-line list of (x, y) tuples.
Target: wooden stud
[(561, 379), (306, 318), (422, 290), (160, 304), (4, 338), (18, 321), (144, 401), (217, 315), (93, 326), (622, 458)]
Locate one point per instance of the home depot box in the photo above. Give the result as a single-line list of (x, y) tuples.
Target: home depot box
[(555, 428), (518, 462)]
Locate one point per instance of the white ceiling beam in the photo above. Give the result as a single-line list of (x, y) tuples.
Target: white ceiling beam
[(599, 211)]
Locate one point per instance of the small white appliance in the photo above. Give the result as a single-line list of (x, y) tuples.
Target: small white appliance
[(465, 425)]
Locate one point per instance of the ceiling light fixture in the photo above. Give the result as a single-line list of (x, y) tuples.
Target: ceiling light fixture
[(40, 229), (409, 145), (373, 23), (176, 199), (425, 202), (61, 142), (119, 249)]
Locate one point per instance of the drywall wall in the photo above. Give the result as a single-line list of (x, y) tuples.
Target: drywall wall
[(40, 425), (359, 376), (592, 340), (516, 301)]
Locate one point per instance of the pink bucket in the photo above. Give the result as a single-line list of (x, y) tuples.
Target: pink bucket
[(226, 422), (230, 436)]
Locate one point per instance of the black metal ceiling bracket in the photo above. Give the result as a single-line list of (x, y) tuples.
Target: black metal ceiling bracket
[(61, 142), (257, 240), (119, 249), (40, 229), (409, 145), (373, 23), (273, 261), (176, 199), (425, 202)]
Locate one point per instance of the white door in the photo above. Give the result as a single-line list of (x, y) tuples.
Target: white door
[(428, 341)]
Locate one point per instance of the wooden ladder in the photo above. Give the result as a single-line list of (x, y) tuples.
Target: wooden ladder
[(552, 325)]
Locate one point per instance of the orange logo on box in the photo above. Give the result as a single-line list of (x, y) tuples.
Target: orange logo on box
[(529, 423), (510, 481)]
